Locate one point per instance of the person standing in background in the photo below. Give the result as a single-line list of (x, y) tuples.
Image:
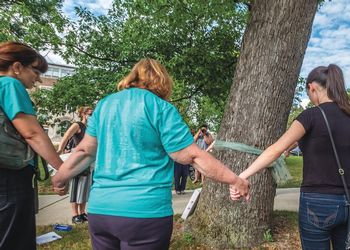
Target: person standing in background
[(180, 177), (80, 184), (204, 139)]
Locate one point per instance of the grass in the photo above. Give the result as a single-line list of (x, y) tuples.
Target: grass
[(295, 167), (77, 239), (282, 235)]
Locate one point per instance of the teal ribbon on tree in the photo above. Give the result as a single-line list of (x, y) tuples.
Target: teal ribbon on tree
[(278, 168)]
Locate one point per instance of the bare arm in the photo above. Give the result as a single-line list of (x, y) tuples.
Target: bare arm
[(293, 134), (83, 155), (74, 128), (29, 127), (209, 166)]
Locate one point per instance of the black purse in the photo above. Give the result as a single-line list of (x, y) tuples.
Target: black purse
[(341, 172)]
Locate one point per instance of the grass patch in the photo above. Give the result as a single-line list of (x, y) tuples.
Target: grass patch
[(283, 232), (295, 167), (77, 239)]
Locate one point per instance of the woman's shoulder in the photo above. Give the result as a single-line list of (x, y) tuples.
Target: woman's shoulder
[(8, 81)]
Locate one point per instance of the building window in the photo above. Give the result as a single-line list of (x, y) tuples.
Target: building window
[(66, 72)]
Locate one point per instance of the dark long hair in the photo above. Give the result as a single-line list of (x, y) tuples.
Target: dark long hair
[(11, 52), (332, 79)]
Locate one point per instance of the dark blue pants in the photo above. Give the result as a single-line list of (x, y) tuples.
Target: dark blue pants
[(17, 218), (180, 176), (322, 221), (114, 232)]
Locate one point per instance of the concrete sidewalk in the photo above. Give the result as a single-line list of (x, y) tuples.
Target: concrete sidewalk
[(56, 209)]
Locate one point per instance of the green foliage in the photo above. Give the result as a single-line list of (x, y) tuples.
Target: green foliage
[(295, 167), (295, 111), (77, 239), (197, 41), (34, 22), (268, 236), (188, 238)]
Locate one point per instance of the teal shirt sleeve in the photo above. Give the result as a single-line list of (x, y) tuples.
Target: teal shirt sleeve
[(174, 132), (91, 123), (14, 98)]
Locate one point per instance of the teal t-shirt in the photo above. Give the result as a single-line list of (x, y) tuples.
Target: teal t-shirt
[(135, 130), (14, 99)]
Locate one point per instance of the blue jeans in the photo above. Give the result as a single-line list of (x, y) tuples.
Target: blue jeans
[(322, 220)]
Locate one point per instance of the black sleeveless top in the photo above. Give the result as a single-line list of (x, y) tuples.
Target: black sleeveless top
[(77, 137)]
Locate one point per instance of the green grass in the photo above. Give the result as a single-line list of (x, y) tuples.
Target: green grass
[(295, 167), (77, 239)]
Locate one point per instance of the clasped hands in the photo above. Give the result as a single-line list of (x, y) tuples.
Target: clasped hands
[(240, 189)]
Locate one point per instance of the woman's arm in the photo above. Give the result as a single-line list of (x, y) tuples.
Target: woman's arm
[(293, 134), (83, 155), (29, 127), (210, 167), (74, 128)]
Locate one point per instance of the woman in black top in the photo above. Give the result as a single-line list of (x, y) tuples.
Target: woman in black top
[(322, 211), (80, 184)]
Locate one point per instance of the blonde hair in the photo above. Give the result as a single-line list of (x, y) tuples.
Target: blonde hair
[(151, 75), (83, 110)]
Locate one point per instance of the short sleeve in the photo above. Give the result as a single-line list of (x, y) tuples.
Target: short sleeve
[(14, 98), (91, 124), (305, 118), (174, 133)]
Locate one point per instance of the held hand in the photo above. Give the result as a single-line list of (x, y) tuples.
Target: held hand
[(61, 190), (239, 189)]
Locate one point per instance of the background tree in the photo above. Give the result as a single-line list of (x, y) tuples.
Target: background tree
[(256, 114), (198, 41), (37, 23)]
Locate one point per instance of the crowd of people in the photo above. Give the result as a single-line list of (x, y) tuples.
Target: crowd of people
[(134, 137)]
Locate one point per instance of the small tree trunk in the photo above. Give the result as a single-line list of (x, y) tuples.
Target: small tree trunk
[(256, 114)]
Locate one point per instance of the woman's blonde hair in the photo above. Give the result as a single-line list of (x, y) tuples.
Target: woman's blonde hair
[(151, 75)]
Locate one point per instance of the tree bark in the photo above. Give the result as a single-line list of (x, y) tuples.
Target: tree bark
[(256, 114)]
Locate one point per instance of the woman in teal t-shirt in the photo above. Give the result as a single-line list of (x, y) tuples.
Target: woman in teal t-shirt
[(135, 135), (20, 68)]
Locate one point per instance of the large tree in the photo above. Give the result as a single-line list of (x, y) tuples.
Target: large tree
[(256, 114)]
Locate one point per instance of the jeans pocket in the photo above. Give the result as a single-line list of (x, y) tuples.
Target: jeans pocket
[(321, 215)]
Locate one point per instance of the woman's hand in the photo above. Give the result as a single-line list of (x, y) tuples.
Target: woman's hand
[(239, 189), (61, 190)]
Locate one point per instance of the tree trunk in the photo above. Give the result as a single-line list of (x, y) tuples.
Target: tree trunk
[(256, 114)]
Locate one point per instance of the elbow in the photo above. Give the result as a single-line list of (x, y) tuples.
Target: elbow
[(30, 135)]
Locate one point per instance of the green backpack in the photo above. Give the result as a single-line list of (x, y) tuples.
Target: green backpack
[(15, 153)]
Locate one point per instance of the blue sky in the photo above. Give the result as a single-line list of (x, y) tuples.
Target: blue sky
[(329, 42)]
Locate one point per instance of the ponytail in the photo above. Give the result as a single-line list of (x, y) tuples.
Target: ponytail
[(332, 79), (336, 88)]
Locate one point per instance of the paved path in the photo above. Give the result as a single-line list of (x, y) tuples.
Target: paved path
[(56, 209)]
